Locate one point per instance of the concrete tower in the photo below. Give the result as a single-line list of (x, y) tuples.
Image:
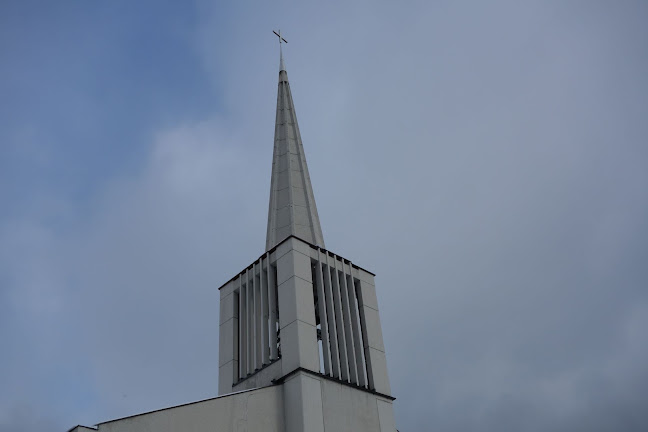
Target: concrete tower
[(300, 347)]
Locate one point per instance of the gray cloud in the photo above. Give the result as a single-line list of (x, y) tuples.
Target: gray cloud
[(488, 162)]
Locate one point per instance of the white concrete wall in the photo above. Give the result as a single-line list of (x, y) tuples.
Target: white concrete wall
[(296, 307), (256, 410), (228, 340), (316, 404), (349, 409), (303, 403)]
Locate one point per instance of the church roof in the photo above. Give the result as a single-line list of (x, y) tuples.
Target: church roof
[(292, 209)]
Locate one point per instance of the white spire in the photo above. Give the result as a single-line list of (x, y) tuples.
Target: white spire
[(292, 209)]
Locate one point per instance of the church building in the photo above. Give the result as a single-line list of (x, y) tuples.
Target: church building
[(300, 346)]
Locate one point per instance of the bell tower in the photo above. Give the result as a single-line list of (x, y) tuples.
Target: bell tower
[(301, 316)]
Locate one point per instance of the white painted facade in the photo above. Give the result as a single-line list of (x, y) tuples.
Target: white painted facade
[(304, 402), (254, 410)]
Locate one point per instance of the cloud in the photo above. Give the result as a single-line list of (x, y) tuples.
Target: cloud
[(126, 298), (487, 162), (150, 263)]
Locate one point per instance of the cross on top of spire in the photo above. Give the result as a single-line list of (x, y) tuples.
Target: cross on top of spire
[(280, 37), (281, 61)]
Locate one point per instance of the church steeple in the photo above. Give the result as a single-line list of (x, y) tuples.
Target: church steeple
[(301, 316), (292, 209), (300, 340)]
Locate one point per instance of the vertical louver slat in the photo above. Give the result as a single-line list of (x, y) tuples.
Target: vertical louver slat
[(319, 282), (346, 313), (363, 326), (355, 324), (258, 315), (272, 295), (328, 293), (235, 335), (339, 322), (242, 330), (250, 322), (265, 346)]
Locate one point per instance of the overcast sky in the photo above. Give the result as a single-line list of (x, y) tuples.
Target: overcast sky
[(487, 160)]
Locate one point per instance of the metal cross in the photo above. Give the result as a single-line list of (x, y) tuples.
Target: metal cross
[(279, 36)]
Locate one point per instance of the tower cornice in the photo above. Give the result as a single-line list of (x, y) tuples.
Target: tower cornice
[(312, 246)]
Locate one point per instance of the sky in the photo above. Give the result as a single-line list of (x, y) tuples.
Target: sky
[(487, 160)]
